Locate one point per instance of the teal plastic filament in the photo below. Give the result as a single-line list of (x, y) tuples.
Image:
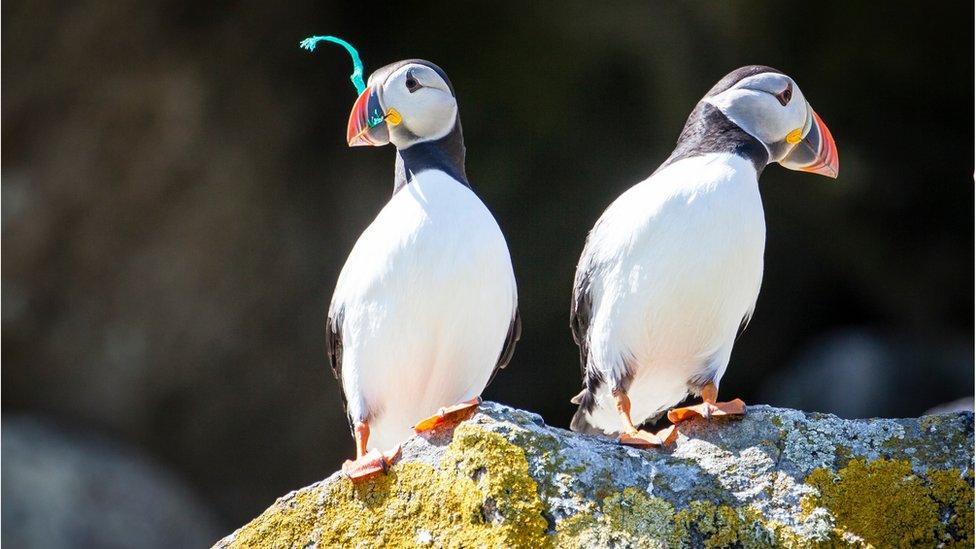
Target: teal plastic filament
[(357, 64)]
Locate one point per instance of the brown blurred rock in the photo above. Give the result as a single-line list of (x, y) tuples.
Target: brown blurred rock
[(959, 405), (64, 489), (858, 372)]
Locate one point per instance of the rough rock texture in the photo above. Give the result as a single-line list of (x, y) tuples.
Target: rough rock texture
[(777, 477)]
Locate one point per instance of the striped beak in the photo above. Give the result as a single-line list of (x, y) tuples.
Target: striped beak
[(816, 152), (366, 122)]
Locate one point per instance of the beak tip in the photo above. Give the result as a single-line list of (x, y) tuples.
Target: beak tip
[(832, 168)]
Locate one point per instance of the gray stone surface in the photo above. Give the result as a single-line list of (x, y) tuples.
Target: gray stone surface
[(774, 477)]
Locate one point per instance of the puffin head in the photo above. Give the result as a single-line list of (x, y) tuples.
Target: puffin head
[(404, 103), (769, 106)]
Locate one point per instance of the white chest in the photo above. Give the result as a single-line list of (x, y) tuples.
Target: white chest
[(427, 296), (678, 261)]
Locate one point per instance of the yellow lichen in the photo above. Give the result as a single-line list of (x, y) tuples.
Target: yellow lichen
[(887, 505), (480, 496), (954, 494), (634, 519), (503, 473), (705, 524), (627, 519)]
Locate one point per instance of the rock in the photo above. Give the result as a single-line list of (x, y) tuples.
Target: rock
[(965, 404), (878, 368), (777, 477), (65, 488)]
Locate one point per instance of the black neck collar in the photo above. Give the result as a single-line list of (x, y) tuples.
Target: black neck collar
[(445, 154), (708, 130)]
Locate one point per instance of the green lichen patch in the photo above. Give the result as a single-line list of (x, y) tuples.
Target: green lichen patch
[(887, 505), (480, 496)]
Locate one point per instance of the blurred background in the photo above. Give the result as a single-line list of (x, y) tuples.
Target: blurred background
[(178, 200)]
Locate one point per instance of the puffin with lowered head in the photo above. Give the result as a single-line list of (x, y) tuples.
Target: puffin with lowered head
[(425, 310), (671, 271)]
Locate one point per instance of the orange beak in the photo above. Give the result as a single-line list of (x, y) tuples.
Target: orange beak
[(366, 122), (816, 152)]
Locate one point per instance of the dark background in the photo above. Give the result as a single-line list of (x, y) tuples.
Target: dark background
[(178, 199)]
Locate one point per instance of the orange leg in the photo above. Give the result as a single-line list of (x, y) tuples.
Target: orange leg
[(451, 415), (362, 437), (632, 436), (368, 464), (709, 407)]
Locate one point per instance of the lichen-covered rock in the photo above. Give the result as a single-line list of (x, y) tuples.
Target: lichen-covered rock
[(775, 478)]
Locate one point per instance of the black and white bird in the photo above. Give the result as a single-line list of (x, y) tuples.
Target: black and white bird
[(671, 271), (425, 308)]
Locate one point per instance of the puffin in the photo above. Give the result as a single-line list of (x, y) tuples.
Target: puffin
[(425, 309), (670, 272)]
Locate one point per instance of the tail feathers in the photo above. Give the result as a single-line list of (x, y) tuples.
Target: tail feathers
[(581, 424), (583, 420)]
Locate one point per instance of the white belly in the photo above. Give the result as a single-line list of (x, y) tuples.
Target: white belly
[(427, 295), (679, 262)]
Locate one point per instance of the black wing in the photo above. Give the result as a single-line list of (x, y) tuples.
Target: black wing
[(333, 348), (579, 311), (508, 349), (744, 323)]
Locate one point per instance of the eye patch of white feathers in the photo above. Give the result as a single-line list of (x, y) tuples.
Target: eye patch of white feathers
[(753, 106), (429, 111)]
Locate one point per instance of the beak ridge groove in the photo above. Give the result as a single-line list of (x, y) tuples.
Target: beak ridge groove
[(366, 125), (816, 152)]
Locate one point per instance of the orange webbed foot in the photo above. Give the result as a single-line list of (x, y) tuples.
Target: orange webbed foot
[(708, 410), (644, 439), (451, 415), (370, 465)]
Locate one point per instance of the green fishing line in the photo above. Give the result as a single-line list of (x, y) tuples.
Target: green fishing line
[(357, 65)]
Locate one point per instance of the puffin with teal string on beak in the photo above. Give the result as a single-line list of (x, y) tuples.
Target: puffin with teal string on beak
[(671, 271), (425, 310)]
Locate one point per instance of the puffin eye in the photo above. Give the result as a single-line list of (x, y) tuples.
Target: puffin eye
[(784, 96), (412, 84)]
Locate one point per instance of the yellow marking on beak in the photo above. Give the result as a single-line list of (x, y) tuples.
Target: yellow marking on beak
[(794, 136), (393, 117)]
